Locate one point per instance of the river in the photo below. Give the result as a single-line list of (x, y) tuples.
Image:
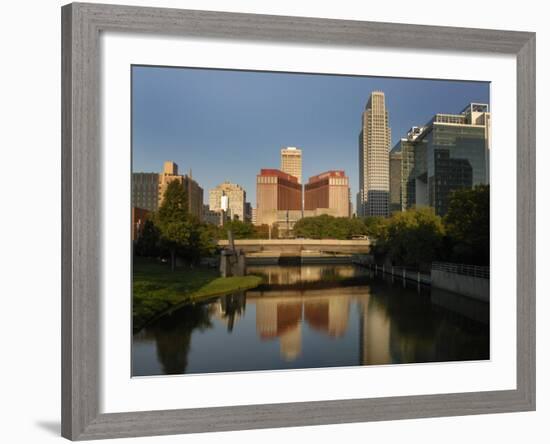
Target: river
[(314, 316)]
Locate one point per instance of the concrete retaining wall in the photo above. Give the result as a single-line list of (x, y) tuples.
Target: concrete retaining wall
[(474, 287), (465, 306)]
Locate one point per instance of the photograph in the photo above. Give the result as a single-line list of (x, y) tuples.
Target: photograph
[(284, 220)]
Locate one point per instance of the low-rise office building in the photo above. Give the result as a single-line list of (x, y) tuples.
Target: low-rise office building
[(211, 217), (234, 203)]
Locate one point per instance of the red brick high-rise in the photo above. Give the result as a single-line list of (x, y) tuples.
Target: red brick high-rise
[(328, 193), (277, 194)]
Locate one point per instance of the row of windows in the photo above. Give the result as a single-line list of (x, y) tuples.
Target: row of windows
[(263, 179)]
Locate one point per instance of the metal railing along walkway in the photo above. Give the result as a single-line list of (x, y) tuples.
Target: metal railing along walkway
[(466, 270)]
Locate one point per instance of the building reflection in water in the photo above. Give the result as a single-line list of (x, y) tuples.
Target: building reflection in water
[(289, 275), (282, 314), (370, 324), (374, 333), (229, 309)]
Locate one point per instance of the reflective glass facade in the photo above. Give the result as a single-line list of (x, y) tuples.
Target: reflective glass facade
[(456, 158), (449, 153), (395, 180)]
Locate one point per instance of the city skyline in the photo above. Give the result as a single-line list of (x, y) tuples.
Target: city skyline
[(180, 114)]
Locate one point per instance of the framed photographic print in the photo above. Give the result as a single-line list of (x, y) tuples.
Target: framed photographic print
[(278, 221)]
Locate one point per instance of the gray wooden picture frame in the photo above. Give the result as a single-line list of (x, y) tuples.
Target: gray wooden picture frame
[(81, 172)]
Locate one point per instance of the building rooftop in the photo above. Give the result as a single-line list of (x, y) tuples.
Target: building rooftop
[(476, 108), (291, 150), (462, 118), (331, 173), (228, 184), (272, 172)]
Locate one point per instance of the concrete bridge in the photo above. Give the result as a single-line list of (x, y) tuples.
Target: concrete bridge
[(297, 246), (274, 251)]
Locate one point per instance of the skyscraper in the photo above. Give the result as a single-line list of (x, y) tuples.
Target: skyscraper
[(374, 161), (291, 162)]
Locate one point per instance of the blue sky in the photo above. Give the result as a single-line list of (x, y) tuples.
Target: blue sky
[(227, 125)]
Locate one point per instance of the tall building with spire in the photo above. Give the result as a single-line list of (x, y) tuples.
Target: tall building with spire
[(291, 162), (374, 158)]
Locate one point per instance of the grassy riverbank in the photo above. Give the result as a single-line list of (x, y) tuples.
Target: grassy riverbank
[(156, 289)]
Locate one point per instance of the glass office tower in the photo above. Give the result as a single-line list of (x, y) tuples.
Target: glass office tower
[(449, 153), (412, 150)]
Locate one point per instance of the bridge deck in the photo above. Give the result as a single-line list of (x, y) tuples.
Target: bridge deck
[(301, 245)]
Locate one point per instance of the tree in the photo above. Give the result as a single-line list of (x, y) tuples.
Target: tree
[(375, 226), (356, 227), (203, 242), (174, 222), (414, 237), (467, 223), (262, 231), (318, 227), (239, 229), (148, 241), (244, 230), (209, 234), (329, 227)]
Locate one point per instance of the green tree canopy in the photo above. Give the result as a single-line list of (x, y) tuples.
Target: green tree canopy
[(467, 222), (375, 226), (174, 221), (244, 230), (414, 237), (262, 231), (239, 229), (148, 242), (329, 227)]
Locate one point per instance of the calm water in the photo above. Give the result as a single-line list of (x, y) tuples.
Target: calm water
[(314, 316)]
